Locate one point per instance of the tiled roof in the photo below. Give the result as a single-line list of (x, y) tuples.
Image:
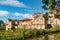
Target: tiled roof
[(25, 20)]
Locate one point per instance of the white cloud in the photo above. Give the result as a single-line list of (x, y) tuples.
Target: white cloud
[(23, 15), (15, 3), (27, 15), (17, 14), (3, 13)]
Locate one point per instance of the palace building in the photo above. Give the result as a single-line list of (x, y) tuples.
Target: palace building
[(37, 22)]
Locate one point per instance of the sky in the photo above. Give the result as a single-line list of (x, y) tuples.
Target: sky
[(19, 9)]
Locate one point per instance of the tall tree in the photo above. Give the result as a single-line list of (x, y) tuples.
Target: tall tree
[(50, 4)]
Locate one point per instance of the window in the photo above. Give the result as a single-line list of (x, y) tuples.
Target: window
[(50, 16), (6, 24), (51, 22)]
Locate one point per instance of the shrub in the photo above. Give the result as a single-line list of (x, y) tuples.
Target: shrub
[(56, 28), (28, 34), (2, 27)]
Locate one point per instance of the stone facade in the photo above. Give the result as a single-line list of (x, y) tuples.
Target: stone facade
[(8, 24), (37, 22), (25, 23), (52, 20)]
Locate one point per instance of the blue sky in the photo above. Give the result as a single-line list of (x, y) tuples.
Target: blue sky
[(19, 9)]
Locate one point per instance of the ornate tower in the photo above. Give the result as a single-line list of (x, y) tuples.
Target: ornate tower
[(8, 24), (38, 21)]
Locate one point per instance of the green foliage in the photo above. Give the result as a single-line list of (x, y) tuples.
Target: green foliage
[(19, 34), (11, 35), (22, 34), (20, 30), (56, 28), (50, 4), (2, 27), (46, 16), (30, 33), (45, 6), (2, 23)]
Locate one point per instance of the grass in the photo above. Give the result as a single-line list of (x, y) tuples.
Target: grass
[(2, 27)]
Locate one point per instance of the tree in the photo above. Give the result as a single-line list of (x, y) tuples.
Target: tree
[(1, 23), (50, 4), (46, 16)]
